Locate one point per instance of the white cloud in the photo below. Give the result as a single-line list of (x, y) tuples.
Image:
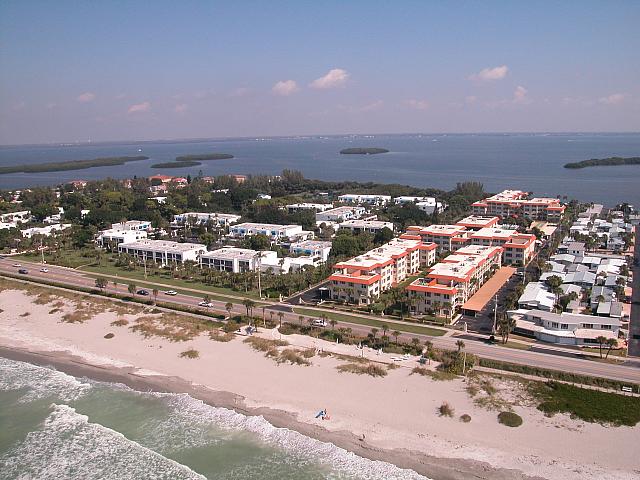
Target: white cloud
[(489, 74), (613, 99), (417, 104), (285, 87), (139, 107), (86, 97), (520, 95), (181, 108), (336, 77)]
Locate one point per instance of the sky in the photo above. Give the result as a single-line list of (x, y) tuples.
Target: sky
[(134, 70)]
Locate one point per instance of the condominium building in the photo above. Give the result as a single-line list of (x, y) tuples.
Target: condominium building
[(317, 207), (16, 217), (519, 249), (163, 252), (231, 259), (113, 237), (477, 222), (274, 232), (516, 202), (45, 231), (362, 279), (132, 225), (447, 237), (340, 214), (371, 226), (450, 283), (219, 219), (366, 199), (429, 205), (317, 249)]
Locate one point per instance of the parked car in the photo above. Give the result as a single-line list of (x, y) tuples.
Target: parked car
[(17, 265), (319, 322), (23, 271), (142, 292), (171, 292), (44, 270), (206, 304)]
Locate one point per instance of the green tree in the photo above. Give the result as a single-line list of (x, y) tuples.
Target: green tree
[(611, 343), (131, 288), (155, 295), (460, 345), (396, 334), (101, 283), (228, 307), (601, 341)]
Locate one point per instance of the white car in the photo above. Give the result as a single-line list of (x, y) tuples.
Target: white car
[(17, 265), (318, 322), (171, 292), (206, 304), (44, 270)]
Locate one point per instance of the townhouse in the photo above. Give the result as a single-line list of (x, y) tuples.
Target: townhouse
[(340, 214), (317, 207), (276, 233), (162, 251), (365, 199), (113, 237), (371, 226), (197, 218), (231, 259), (317, 249), (132, 225)]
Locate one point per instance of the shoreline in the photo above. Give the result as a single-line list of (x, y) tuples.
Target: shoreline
[(435, 468)]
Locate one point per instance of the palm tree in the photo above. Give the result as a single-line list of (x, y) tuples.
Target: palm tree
[(301, 319), (374, 332), (101, 283), (155, 296), (249, 304), (505, 327), (415, 342), (333, 323), (611, 343), (396, 334), (280, 316), (131, 288), (460, 345), (228, 307), (601, 341), (206, 299), (385, 329)]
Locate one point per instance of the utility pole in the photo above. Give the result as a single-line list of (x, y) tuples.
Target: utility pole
[(495, 315), (42, 251), (259, 275)]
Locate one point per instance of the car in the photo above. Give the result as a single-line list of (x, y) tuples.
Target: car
[(17, 265), (44, 270), (23, 271), (319, 322), (171, 292), (206, 304), (142, 292)]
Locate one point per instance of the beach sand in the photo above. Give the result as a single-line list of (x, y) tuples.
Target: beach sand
[(397, 413)]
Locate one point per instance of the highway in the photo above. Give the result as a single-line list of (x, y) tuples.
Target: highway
[(629, 372)]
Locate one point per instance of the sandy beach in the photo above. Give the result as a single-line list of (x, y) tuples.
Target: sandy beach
[(396, 413)]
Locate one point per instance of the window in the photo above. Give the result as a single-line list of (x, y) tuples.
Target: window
[(587, 325), (564, 326), (554, 324)]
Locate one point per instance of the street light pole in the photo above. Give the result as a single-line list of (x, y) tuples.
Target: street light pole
[(495, 315)]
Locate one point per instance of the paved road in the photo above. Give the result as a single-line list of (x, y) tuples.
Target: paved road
[(538, 359), (634, 322)]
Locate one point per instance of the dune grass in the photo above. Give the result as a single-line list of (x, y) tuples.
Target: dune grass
[(363, 369)]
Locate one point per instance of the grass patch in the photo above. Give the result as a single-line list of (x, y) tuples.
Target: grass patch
[(346, 358), (401, 327), (121, 322), (191, 353), (363, 369), (465, 418), (589, 405), (294, 357), (264, 344), (434, 374), (109, 335), (221, 337), (510, 419), (446, 410), (174, 327)]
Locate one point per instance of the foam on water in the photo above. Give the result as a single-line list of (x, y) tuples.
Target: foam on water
[(69, 446), (40, 382), (190, 412)]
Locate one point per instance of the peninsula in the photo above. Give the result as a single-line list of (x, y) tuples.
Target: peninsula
[(70, 165), (604, 162), (204, 156), (363, 151), (185, 164)]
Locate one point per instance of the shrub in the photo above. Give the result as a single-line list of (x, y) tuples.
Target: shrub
[(226, 337), (308, 353), (446, 410), (465, 418), (191, 353), (109, 335), (264, 344), (363, 369), (120, 323), (434, 374), (293, 357), (510, 419)]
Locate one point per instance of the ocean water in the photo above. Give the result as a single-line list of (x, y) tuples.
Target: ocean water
[(531, 162), (55, 426)]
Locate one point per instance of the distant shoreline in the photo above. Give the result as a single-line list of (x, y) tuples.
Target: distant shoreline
[(604, 162), (70, 165), (363, 151)]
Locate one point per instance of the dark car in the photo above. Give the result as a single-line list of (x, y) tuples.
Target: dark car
[(23, 271), (143, 292)]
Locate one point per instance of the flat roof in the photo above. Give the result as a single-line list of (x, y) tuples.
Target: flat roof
[(263, 226), (478, 221), (231, 252), (163, 245), (479, 299)]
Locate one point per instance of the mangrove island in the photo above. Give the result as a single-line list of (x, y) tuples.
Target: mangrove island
[(363, 151), (604, 162), (70, 165)]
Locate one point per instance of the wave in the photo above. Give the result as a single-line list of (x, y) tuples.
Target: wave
[(69, 446), (40, 382)]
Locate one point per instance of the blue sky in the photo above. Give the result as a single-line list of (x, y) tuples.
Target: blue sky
[(73, 71)]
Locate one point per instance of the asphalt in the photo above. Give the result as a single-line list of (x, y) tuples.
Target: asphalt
[(634, 321), (626, 373)]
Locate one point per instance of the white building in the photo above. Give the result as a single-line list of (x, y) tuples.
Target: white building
[(565, 328), (371, 226), (219, 219), (231, 259), (426, 204), (112, 237), (318, 207), (366, 199), (316, 249), (162, 251), (274, 232), (46, 231), (16, 217), (340, 214), (537, 296), (132, 225)]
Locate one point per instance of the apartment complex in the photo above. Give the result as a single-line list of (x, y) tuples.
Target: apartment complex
[(162, 251), (231, 259), (274, 232), (362, 279), (450, 283), (132, 225), (340, 214), (477, 222), (447, 237), (219, 219), (317, 207), (113, 237), (371, 226), (517, 202), (365, 199), (317, 249)]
